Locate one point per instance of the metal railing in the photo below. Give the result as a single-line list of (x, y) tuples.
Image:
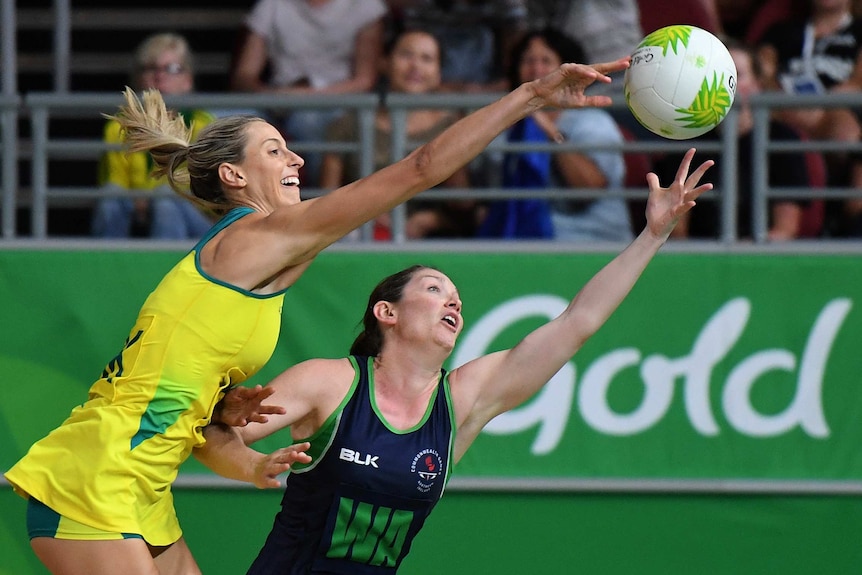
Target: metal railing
[(42, 108), (9, 106)]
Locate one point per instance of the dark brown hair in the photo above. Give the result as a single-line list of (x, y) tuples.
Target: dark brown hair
[(565, 47), (389, 289)]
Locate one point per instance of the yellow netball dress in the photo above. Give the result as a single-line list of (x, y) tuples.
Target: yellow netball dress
[(111, 464)]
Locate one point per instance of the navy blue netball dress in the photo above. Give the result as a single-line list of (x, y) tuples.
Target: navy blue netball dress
[(368, 490)]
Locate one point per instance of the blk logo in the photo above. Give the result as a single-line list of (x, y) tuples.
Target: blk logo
[(356, 457)]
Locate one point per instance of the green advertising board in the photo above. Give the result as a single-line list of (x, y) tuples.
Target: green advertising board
[(716, 366)]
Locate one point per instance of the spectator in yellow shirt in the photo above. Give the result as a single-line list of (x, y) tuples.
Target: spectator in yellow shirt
[(163, 62)]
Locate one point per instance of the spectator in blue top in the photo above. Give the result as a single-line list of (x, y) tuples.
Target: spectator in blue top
[(590, 219)]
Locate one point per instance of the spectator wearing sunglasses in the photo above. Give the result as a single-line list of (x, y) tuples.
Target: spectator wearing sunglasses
[(163, 62)]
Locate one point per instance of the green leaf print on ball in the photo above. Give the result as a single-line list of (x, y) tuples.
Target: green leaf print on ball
[(668, 37), (710, 105)]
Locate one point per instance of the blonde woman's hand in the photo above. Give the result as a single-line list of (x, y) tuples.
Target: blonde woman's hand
[(269, 467), (243, 405), (666, 205), (565, 86)]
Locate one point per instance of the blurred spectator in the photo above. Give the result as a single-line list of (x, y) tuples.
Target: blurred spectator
[(747, 20), (163, 62), (412, 67), (818, 55), (786, 169), (600, 219), (606, 29), (477, 36), (611, 29), (657, 14), (310, 47)]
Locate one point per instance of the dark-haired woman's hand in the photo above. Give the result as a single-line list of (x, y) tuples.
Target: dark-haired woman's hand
[(666, 205)]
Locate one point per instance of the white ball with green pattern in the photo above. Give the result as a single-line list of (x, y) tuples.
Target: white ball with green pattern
[(681, 82)]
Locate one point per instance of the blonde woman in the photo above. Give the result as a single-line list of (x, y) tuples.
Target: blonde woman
[(99, 486)]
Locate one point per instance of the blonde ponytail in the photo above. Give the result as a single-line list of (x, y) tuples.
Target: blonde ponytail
[(191, 168), (148, 125)]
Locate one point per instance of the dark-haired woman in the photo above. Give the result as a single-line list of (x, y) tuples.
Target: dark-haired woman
[(382, 428)]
